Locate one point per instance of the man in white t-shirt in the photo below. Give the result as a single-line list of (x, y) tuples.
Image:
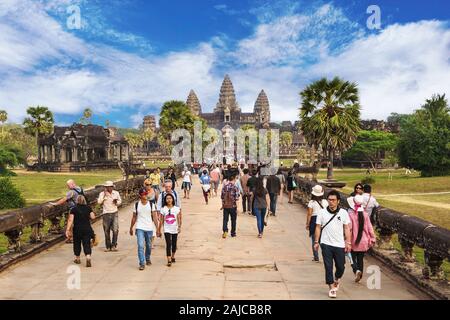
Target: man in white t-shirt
[(187, 182), (144, 217), (333, 234)]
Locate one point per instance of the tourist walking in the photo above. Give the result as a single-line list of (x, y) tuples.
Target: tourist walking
[(167, 190), (316, 204), (229, 196), (282, 179), (251, 183), (152, 196), (110, 200), (80, 218), (71, 200), (260, 202), (246, 196), (333, 234), (171, 175), (187, 182), (370, 203), (273, 186), (170, 219), (155, 180), (205, 181), (362, 234), (357, 189), (215, 179), (291, 186), (144, 218)]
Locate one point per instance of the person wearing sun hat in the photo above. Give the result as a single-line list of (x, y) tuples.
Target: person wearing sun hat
[(362, 234), (110, 200), (316, 204)]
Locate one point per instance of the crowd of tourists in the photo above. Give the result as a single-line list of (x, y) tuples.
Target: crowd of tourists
[(338, 233)]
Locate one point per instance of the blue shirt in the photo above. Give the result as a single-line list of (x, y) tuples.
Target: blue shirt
[(205, 179)]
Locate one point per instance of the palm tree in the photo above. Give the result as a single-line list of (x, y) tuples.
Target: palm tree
[(40, 121), (134, 140), (3, 118), (147, 136), (330, 114), (87, 115)]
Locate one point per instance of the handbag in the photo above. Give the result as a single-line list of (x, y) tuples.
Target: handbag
[(94, 241)]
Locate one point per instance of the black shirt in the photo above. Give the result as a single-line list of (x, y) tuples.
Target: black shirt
[(82, 218)]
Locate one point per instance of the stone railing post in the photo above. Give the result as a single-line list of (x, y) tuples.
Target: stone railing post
[(407, 248), (36, 232), (13, 236), (433, 269), (384, 240), (55, 227)]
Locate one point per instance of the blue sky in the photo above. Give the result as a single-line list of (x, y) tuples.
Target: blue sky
[(129, 57)]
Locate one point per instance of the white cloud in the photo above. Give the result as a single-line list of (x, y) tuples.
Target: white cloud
[(41, 63)]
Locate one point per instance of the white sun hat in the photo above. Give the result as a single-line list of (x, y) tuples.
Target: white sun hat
[(317, 190), (108, 184), (356, 200)]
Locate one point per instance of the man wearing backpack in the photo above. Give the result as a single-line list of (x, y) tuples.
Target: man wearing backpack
[(230, 194), (167, 189), (70, 199), (111, 200)]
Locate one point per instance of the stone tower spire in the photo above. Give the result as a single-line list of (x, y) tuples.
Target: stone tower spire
[(227, 96), (193, 103), (262, 109)]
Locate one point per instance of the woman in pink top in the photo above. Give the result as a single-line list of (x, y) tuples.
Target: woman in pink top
[(363, 236)]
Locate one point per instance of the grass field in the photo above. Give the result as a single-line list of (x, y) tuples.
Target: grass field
[(39, 187)]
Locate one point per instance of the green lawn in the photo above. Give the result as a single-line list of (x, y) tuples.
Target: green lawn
[(39, 187), (161, 164)]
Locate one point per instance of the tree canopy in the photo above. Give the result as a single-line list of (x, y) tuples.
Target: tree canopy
[(424, 138)]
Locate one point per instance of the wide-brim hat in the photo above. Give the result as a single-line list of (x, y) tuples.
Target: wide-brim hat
[(317, 190), (108, 184), (356, 200)]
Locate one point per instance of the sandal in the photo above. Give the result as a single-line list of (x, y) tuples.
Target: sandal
[(169, 264), (77, 261), (173, 260)]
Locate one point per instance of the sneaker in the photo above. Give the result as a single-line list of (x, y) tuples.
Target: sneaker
[(88, 263), (358, 276), (142, 267), (224, 235), (332, 293), (148, 262)]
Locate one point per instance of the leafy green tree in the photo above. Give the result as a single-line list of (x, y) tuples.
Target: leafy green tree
[(177, 115), (8, 158), (370, 144), (330, 116), (10, 197), (40, 121), (424, 138)]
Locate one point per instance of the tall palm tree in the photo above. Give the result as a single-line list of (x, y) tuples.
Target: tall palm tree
[(147, 136), (3, 118), (40, 121), (134, 140), (330, 114), (87, 115)]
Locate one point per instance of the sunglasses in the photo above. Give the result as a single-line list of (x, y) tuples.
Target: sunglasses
[(358, 188)]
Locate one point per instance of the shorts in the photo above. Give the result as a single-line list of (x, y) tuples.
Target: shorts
[(186, 185)]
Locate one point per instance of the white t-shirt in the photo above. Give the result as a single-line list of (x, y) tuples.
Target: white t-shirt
[(316, 207), (170, 219), (369, 203), (144, 217), (333, 234), (186, 176)]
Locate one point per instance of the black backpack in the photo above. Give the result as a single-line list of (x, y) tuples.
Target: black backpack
[(72, 201)]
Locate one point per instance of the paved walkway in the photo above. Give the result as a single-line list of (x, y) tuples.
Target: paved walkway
[(278, 266)]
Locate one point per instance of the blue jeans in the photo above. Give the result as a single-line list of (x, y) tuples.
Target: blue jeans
[(144, 238), (260, 214), (273, 202)]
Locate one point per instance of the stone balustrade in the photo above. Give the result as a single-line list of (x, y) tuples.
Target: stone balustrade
[(14, 222)]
